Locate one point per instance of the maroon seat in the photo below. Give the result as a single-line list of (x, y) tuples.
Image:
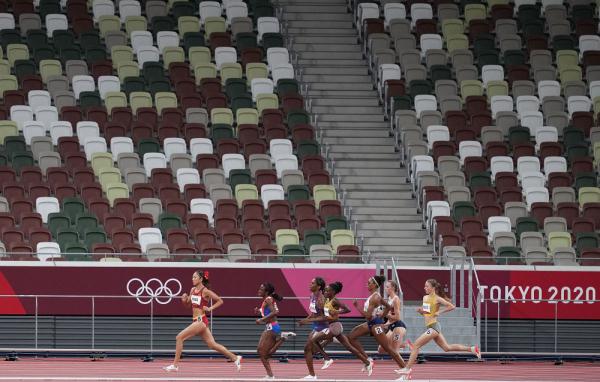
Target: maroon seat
[(67, 145), (279, 223), (177, 207), (489, 209), (231, 236), (71, 114), (511, 194), (443, 148), (478, 27), (541, 210), (475, 242), (425, 26), (259, 238), (218, 39), (455, 119), (204, 161), (291, 101), (265, 177), (569, 211), (484, 195), (471, 225), (329, 208), (271, 117), (122, 237), (196, 222), (125, 207), (227, 208), (590, 257), (248, 133), (167, 190), (278, 209), (304, 209), (38, 190), (475, 105), (97, 114), (99, 207), (493, 149), (505, 180), (582, 164), (102, 250), (13, 190), (224, 224), (141, 220), (172, 116), (39, 235), (115, 129), (448, 239), (559, 179), (83, 175), (30, 222), (74, 160), (31, 175), (177, 236), (228, 146), (194, 130), (160, 177), (442, 225), (113, 222), (474, 165), (193, 191), (141, 190), (20, 207), (251, 224), (251, 209), (550, 149), (210, 87), (348, 254), (250, 55), (257, 146), (523, 150), (582, 225), (483, 257), (308, 223), (90, 190), (318, 177), (275, 132)]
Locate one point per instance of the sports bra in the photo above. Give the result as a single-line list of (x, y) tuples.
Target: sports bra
[(196, 297), (378, 309)]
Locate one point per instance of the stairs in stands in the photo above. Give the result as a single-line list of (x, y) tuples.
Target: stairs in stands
[(351, 123)]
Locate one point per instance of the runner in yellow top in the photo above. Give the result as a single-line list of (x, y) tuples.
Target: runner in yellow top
[(434, 299)]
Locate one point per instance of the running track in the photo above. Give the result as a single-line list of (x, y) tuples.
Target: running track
[(130, 369)]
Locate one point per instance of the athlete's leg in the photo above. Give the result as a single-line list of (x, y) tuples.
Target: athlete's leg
[(382, 340), (192, 330), (358, 331), (397, 339), (345, 343), (418, 344), (214, 345), (442, 343), (266, 342)]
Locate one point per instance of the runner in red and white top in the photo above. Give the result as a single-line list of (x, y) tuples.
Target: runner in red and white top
[(198, 300)]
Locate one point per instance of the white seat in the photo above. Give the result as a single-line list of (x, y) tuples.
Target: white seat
[(47, 250), (469, 149), (279, 148), (234, 10), (21, 114), (147, 54), (33, 129), (82, 83), (60, 129), (548, 88), (56, 22), (545, 134), (129, 8), (225, 55), (270, 192), (498, 224), (203, 206), (594, 89), (420, 163), (174, 146), (420, 11), (140, 39), (166, 39), (501, 103), (425, 102), (7, 21), (200, 146), (435, 208), (152, 161), (535, 195), (491, 73), (430, 42), (209, 9), (261, 86), (588, 42), (276, 56), (232, 162), (108, 84), (46, 115), (546, 3), (387, 72), (94, 145), (187, 176), (527, 103), (102, 8), (282, 71), (532, 179), (578, 103), (37, 98), (149, 235), (119, 145), (554, 164), (46, 205), (501, 164), (528, 164), (366, 11), (532, 120), (288, 162), (392, 11), (437, 133), (87, 129)]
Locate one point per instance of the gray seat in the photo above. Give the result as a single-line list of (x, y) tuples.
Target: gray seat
[(460, 58), (565, 257), (454, 255), (537, 256), (196, 115), (414, 72), (458, 194), (114, 38), (64, 98), (594, 135), (447, 11), (76, 68), (540, 58), (563, 195), (445, 88), (156, 8), (504, 239), (4, 207), (57, 84), (379, 41), (399, 28), (405, 118), (404, 42), (523, 87), (505, 27), (180, 160), (560, 120), (134, 175), (291, 178), (574, 88), (213, 176), (241, 25), (259, 162), (555, 224), (417, 148), (466, 72), (560, 27), (128, 160), (446, 163), (49, 159), (544, 73), (510, 42), (29, 21), (435, 57), (515, 210), (552, 104), (449, 102), (409, 57), (505, 120), (491, 134), (220, 191), (239, 252), (454, 179), (152, 206), (40, 145), (320, 252), (157, 251), (531, 239), (430, 117)]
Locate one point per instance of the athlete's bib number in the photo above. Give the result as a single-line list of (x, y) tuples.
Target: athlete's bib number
[(378, 330), (313, 307), (427, 308), (269, 326), (196, 300), (326, 311)]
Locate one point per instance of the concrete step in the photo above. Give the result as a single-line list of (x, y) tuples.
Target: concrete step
[(375, 179), (331, 49), (318, 15), (348, 110), (392, 226), (359, 125), (345, 102), (343, 94), (413, 250), (394, 241), (387, 172), (351, 117), (329, 55), (329, 85), (333, 62), (338, 78), (388, 218), (300, 29), (380, 141), (392, 234), (344, 40), (373, 202), (324, 7), (331, 24), (366, 165), (361, 149), (311, 2), (381, 195), (366, 156), (384, 211), (335, 70)]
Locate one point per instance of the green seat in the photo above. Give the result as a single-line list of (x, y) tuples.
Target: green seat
[(158, 85), (577, 151), (514, 57), (527, 13), (221, 131), (3, 159), (86, 222), (335, 222), (587, 240), (292, 253), (242, 101), (298, 192), (89, 99), (21, 159), (148, 145), (134, 84), (403, 102), (418, 87), (573, 136), (8, 37), (90, 39), (66, 236), (526, 224), (96, 54), (192, 39), (483, 43), (508, 255), (94, 236), (478, 180), (245, 40), (161, 23), (166, 221), (37, 38), (296, 117), (70, 53), (153, 71), (72, 207), (183, 8), (307, 147), (533, 28), (25, 68), (518, 134), (287, 86), (440, 72), (58, 221), (187, 24), (585, 179), (43, 53), (462, 209), (272, 40), (235, 87), (76, 252), (312, 237), (262, 10), (489, 57), (14, 144), (239, 176), (562, 42), (49, 7)]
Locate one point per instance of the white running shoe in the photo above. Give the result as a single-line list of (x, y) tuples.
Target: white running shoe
[(365, 366), (403, 371), (238, 363), (404, 377), (286, 335), (170, 368), (475, 350), (310, 378), (370, 367), (327, 363), (268, 377)]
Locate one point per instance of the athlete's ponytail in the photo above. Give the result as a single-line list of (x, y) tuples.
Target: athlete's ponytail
[(439, 289), (378, 280), (336, 287), (270, 291), (320, 282), (204, 276)]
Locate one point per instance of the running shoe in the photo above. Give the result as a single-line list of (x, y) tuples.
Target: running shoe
[(370, 367), (268, 377), (286, 335), (365, 366), (475, 350), (327, 363), (403, 371), (404, 377), (170, 368), (238, 363), (310, 378)]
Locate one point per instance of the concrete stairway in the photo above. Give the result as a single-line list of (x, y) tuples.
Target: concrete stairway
[(351, 122)]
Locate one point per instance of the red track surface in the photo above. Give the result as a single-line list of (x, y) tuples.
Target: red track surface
[(70, 369)]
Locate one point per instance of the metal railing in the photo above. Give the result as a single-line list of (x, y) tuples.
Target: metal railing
[(465, 290)]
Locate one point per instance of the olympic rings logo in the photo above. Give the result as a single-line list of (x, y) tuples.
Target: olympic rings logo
[(154, 290)]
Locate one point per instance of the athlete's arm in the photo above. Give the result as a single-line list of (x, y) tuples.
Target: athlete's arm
[(186, 300), (216, 300), (394, 314), (386, 306), (340, 306), (273, 312), (448, 306), (420, 309)]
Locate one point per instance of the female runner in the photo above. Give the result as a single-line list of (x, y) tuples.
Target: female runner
[(395, 326), (374, 309), (317, 303), (272, 338), (434, 297), (198, 299), (332, 310)]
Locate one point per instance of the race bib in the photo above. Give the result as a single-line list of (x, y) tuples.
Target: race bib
[(378, 330), (427, 307), (326, 311), (196, 300), (313, 307), (269, 326)]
